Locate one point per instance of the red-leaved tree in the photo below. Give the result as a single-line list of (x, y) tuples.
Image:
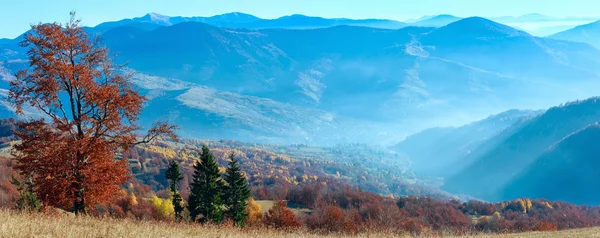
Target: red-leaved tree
[(89, 114), (280, 217)]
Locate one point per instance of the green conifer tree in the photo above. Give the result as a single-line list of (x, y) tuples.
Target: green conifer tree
[(206, 190), (237, 192), (27, 197), (174, 176)]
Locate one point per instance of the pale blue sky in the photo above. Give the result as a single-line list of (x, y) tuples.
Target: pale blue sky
[(16, 15)]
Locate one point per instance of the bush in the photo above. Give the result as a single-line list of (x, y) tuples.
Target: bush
[(280, 217)]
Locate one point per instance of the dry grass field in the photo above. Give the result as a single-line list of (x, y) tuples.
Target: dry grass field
[(15, 224), (266, 205)]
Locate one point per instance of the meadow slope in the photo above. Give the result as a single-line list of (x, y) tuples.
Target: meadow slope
[(17, 224)]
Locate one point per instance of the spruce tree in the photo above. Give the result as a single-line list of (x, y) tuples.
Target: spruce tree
[(206, 190), (237, 192), (174, 176)]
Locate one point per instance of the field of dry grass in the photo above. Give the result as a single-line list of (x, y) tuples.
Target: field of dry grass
[(15, 224), (266, 205)]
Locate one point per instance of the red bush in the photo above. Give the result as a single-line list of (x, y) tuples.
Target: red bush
[(280, 217)]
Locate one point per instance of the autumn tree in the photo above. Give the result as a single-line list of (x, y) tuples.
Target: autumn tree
[(254, 211), (89, 112), (174, 176), (206, 190), (280, 217), (237, 192)]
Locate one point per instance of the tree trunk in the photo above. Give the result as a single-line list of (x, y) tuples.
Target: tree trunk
[(79, 198), (79, 204)]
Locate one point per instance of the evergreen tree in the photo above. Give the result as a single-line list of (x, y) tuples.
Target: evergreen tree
[(27, 196), (206, 190), (237, 192), (174, 176)]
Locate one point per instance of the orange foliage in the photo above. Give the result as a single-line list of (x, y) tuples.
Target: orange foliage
[(254, 213), (546, 226), (91, 110), (327, 218), (280, 217)]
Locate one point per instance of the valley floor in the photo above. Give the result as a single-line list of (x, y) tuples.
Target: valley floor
[(15, 224)]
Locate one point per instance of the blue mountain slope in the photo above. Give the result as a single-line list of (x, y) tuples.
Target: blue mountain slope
[(509, 154), (589, 33), (567, 171), (515, 53), (438, 151)]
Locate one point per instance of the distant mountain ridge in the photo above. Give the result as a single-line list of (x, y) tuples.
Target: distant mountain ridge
[(242, 20), (436, 21), (588, 33)]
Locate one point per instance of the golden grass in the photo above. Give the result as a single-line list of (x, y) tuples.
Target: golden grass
[(266, 205), (16, 224)]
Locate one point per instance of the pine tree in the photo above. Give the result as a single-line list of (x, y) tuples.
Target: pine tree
[(174, 176), (206, 190), (237, 192), (27, 197)]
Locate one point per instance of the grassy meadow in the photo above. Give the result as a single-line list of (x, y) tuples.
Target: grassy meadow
[(18, 224)]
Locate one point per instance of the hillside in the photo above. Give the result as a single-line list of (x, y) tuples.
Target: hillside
[(566, 171), (271, 166), (489, 168), (438, 151), (588, 33)]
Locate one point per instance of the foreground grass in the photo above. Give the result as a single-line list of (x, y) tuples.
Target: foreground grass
[(15, 224)]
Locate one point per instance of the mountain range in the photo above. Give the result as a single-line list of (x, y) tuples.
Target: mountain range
[(336, 84), (242, 20)]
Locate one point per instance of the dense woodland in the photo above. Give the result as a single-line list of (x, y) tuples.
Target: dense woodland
[(329, 205)]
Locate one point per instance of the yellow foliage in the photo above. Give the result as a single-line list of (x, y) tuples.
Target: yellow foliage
[(163, 206), (549, 205), (133, 200), (167, 152), (254, 211)]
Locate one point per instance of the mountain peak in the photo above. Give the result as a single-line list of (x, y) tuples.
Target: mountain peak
[(156, 18), (437, 21), (239, 17), (481, 27), (444, 16), (296, 16)]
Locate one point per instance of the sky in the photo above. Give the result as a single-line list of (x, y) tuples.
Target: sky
[(17, 15)]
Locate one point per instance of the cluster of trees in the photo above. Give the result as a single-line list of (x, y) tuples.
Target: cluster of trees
[(214, 196)]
